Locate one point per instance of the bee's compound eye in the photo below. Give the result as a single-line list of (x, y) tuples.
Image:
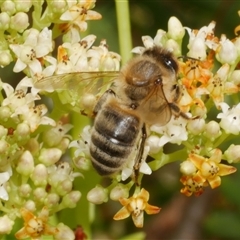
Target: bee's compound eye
[(88, 101), (170, 63)]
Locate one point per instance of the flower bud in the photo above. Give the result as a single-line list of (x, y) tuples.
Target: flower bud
[(6, 225), (227, 52), (97, 195), (4, 21), (39, 194), (5, 113), (50, 156), (52, 200), (39, 175), (187, 168), (232, 154), (212, 130), (23, 6), (25, 164), (24, 190), (5, 58), (119, 191), (63, 145), (172, 46), (64, 187), (196, 126), (30, 205), (8, 7), (82, 163), (33, 145), (53, 136), (235, 77), (22, 131), (70, 200), (199, 109), (19, 22), (3, 146), (64, 232), (3, 131), (175, 29)]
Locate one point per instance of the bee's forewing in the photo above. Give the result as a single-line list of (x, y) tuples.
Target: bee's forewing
[(78, 84), (157, 107), (75, 80)]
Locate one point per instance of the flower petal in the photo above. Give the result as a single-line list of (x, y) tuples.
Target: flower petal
[(121, 214), (150, 209)]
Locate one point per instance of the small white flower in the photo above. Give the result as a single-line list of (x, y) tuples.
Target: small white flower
[(174, 131), (18, 98), (78, 13), (153, 142), (197, 49), (144, 168), (102, 59), (230, 118), (160, 39), (82, 144), (200, 40), (35, 116), (77, 52), (37, 45), (60, 173)]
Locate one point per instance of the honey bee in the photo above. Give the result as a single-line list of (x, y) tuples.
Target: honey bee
[(143, 93)]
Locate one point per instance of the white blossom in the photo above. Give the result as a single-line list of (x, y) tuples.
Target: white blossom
[(37, 45), (230, 118)]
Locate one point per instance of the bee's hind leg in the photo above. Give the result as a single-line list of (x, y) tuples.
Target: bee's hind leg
[(140, 155)]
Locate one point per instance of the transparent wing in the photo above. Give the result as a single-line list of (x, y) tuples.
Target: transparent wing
[(79, 89), (157, 107)]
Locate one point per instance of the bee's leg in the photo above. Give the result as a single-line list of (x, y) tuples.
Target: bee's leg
[(177, 112), (177, 92), (140, 154)]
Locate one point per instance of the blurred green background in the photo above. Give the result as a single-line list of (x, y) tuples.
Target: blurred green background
[(216, 213), (149, 16)]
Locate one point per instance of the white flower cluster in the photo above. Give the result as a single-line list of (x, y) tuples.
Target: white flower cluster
[(34, 172)]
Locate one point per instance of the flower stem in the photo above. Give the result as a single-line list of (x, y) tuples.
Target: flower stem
[(124, 29)]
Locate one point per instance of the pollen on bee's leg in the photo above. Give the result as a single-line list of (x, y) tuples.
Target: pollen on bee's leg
[(89, 101)]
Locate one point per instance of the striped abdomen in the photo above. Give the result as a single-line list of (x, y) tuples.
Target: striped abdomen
[(114, 135)]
